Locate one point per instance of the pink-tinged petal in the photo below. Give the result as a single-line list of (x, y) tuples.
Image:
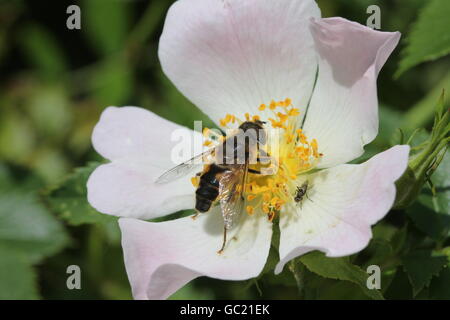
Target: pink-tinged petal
[(230, 56), (162, 257), (343, 202), (135, 133), (140, 145), (128, 189), (343, 114)]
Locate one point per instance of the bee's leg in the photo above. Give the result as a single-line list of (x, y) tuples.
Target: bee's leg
[(224, 240), (254, 171)]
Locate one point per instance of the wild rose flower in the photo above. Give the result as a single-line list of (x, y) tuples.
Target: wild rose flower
[(238, 59)]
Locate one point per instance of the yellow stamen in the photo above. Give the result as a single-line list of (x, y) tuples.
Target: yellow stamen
[(283, 117), (297, 155), (272, 105), (195, 181)]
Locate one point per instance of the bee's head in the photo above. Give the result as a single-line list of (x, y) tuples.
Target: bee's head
[(258, 127)]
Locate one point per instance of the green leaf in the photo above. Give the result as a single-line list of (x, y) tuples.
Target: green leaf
[(439, 287), (339, 269), (112, 82), (341, 290), (28, 234), (17, 277), (43, 51), (148, 24), (191, 292), (27, 227), (421, 113), (421, 266), (441, 182), (106, 23), (431, 213), (424, 159), (49, 109), (17, 138), (429, 38), (380, 250), (400, 287), (399, 239), (390, 120), (69, 199), (427, 220)]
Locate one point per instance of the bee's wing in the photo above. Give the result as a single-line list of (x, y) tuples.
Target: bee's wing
[(231, 190), (183, 168)]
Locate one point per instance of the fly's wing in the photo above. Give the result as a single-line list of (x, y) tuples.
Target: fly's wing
[(183, 168), (231, 190)]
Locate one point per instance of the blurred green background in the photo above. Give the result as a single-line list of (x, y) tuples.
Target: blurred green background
[(54, 84)]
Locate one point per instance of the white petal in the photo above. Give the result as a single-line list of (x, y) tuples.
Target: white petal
[(343, 203), (162, 257), (140, 145), (343, 114), (127, 189), (137, 134), (230, 56)]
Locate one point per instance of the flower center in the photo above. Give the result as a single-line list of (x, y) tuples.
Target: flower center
[(288, 154)]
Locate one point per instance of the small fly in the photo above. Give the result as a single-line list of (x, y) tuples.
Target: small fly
[(300, 193)]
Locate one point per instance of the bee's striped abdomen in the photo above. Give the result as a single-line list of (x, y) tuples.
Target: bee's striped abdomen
[(208, 188)]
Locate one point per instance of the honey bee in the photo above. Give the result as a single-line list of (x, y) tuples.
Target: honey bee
[(224, 179)]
